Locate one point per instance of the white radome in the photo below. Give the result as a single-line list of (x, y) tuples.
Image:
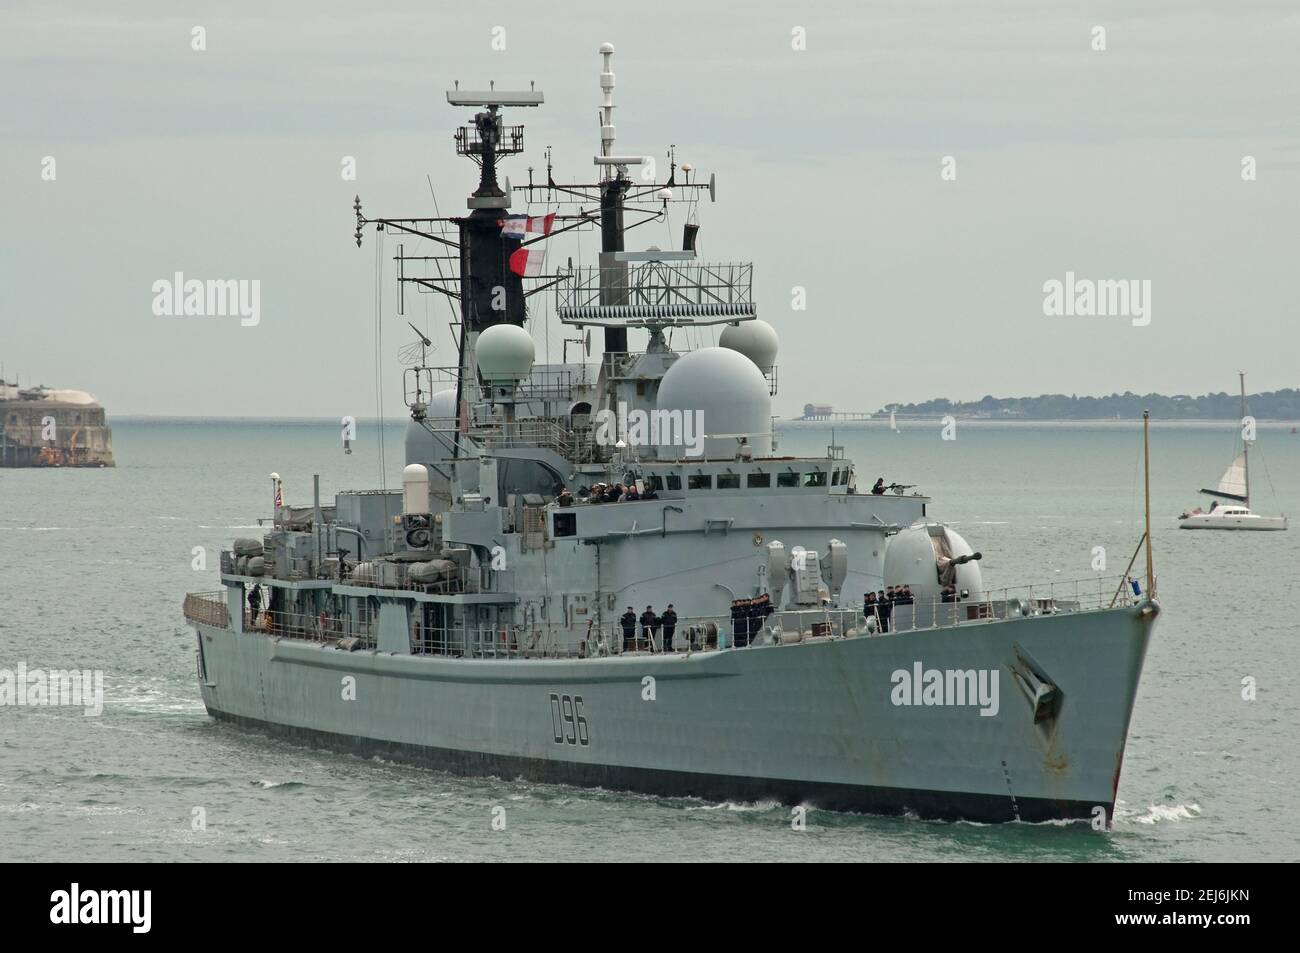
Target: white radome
[(442, 405), (755, 339), (505, 354), (726, 396)]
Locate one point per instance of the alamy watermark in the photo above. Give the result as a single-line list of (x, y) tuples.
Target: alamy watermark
[(946, 687), (651, 428), (215, 297), (1098, 298), (38, 687), (128, 907)]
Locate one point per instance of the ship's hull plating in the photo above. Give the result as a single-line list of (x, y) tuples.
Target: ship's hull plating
[(814, 723)]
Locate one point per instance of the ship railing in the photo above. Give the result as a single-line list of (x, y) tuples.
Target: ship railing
[(422, 382), (691, 633), (312, 626), (542, 383), (991, 605), (207, 607), (559, 640), (568, 442)]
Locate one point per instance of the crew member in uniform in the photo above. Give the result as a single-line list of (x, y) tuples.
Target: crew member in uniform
[(739, 623), (628, 621), (649, 626), (886, 608), (669, 621), (254, 604)]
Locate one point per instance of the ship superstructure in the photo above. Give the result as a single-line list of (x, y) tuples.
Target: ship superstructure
[(508, 610)]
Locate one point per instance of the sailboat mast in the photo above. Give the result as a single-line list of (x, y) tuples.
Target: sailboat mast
[(1146, 466), (1245, 444)]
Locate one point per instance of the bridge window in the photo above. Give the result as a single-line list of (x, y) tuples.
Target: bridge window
[(787, 479), (815, 478), (674, 481), (700, 481), (728, 481), (756, 480), (566, 524)]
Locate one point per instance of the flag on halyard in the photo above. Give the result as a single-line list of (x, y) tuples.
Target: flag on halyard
[(521, 226), (527, 262)]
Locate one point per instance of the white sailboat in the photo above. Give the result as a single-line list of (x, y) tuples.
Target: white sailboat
[(1233, 486)]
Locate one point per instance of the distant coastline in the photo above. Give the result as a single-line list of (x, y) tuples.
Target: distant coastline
[(1280, 406), (1076, 423)]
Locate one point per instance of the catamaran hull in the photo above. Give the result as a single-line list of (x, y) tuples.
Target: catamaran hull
[(817, 723), (1233, 522)]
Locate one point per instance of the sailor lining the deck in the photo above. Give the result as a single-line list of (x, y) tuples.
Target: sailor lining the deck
[(885, 607), (669, 622), (628, 621), (649, 626)]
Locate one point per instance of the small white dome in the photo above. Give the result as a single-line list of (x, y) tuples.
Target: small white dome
[(725, 396), (755, 339), (505, 354)]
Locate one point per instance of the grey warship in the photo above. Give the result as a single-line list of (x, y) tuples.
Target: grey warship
[(477, 619)]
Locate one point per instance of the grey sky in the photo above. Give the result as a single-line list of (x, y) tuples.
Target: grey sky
[(226, 164)]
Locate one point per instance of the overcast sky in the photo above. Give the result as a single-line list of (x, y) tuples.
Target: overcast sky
[(225, 163)]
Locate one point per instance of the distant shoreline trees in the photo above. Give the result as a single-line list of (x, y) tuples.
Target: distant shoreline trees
[(1273, 405)]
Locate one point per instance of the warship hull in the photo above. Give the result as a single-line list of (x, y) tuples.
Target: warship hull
[(817, 723)]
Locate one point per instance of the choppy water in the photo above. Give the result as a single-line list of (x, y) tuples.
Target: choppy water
[(94, 565)]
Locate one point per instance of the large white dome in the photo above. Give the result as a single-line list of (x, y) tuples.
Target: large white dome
[(755, 339), (443, 404), (726, 397), (505, 353)]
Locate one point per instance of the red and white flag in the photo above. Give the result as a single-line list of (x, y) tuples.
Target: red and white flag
[(521, 226), (527, 262)]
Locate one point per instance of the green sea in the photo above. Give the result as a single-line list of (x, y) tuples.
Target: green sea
[(94, 565)]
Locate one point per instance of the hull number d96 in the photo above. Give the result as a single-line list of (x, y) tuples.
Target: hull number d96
[(568, 724)]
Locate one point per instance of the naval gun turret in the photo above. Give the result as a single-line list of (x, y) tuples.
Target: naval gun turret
[(929, 556)]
